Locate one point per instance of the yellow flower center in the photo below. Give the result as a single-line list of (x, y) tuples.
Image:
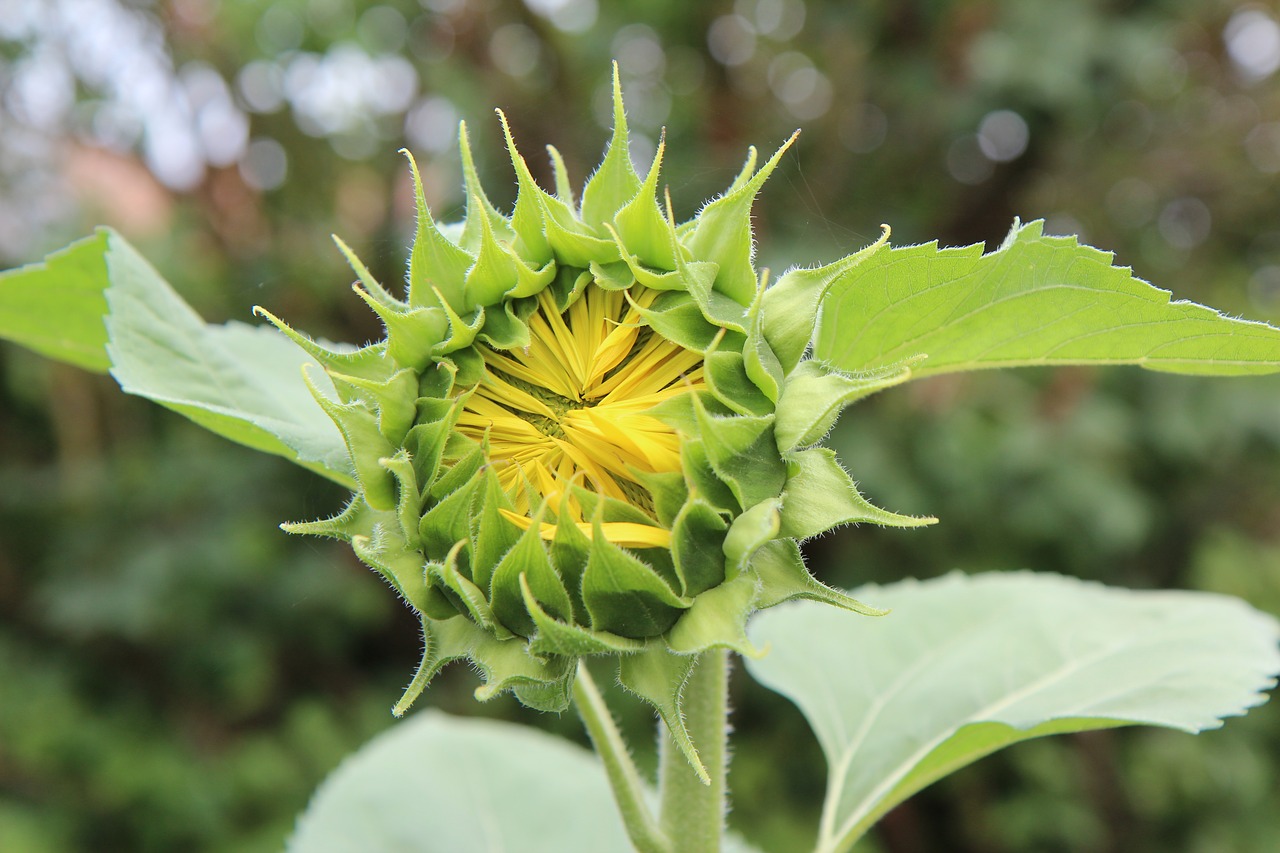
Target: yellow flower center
[(572, 407)]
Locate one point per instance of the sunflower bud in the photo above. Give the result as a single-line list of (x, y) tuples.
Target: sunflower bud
[(590, 430)]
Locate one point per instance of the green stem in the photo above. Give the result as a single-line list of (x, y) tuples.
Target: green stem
[(624, 779), (692, 812)]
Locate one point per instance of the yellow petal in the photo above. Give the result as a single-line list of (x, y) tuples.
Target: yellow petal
[(572, 406), (626, 534)]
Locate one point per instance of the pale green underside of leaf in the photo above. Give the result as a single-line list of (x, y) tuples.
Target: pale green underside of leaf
[(98, 304), (441, 784), (1036, 300), (966, 665)]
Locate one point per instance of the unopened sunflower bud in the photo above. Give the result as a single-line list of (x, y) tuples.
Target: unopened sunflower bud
[(589, 431)]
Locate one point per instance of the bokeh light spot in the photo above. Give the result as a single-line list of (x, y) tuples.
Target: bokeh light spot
[(780, 20), (265, 164), (639, 50), (515, 50), (1253, 42), (572, 16), (1185, 222), (731, 40), (807, 93), (260, 85), (1003, 135), (432, 124)]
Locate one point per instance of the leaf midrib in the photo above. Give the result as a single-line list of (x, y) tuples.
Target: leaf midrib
[(890, 780)]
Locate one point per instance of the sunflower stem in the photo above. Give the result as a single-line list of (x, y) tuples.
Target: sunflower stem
[(624, 779), (692, 812)]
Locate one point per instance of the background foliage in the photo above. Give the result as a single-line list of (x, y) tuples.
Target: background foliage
[(178, 674)]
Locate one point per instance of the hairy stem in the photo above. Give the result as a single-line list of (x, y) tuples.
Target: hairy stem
[(693, 813), (624, 779)]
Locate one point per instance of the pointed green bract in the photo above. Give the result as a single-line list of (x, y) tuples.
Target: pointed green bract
[(641, 226), (758, 358), (479, 209), (615, 183), (534, 577), (564, 188), (726, 373), (556, 637), (790, 306), (723, 233), (366, 445), (819, 496), (624, 596), (697, 547), (718, 619), (815, 395), (779, 568), (760, 524), (391, 399), (658, 676), (493, 536), (409, 505), (529, 216), (436, 263), (743, 455), (368, 362)]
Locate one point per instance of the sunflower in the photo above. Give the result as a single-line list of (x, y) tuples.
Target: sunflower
[(591, 431)]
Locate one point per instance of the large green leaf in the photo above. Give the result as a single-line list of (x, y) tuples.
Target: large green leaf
[(1035, 300), (56, 308), (441, 784), (966, 665), (455, 785), (99, 305)]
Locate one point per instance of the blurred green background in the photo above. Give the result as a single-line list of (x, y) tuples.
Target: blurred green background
[(177, 674)]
